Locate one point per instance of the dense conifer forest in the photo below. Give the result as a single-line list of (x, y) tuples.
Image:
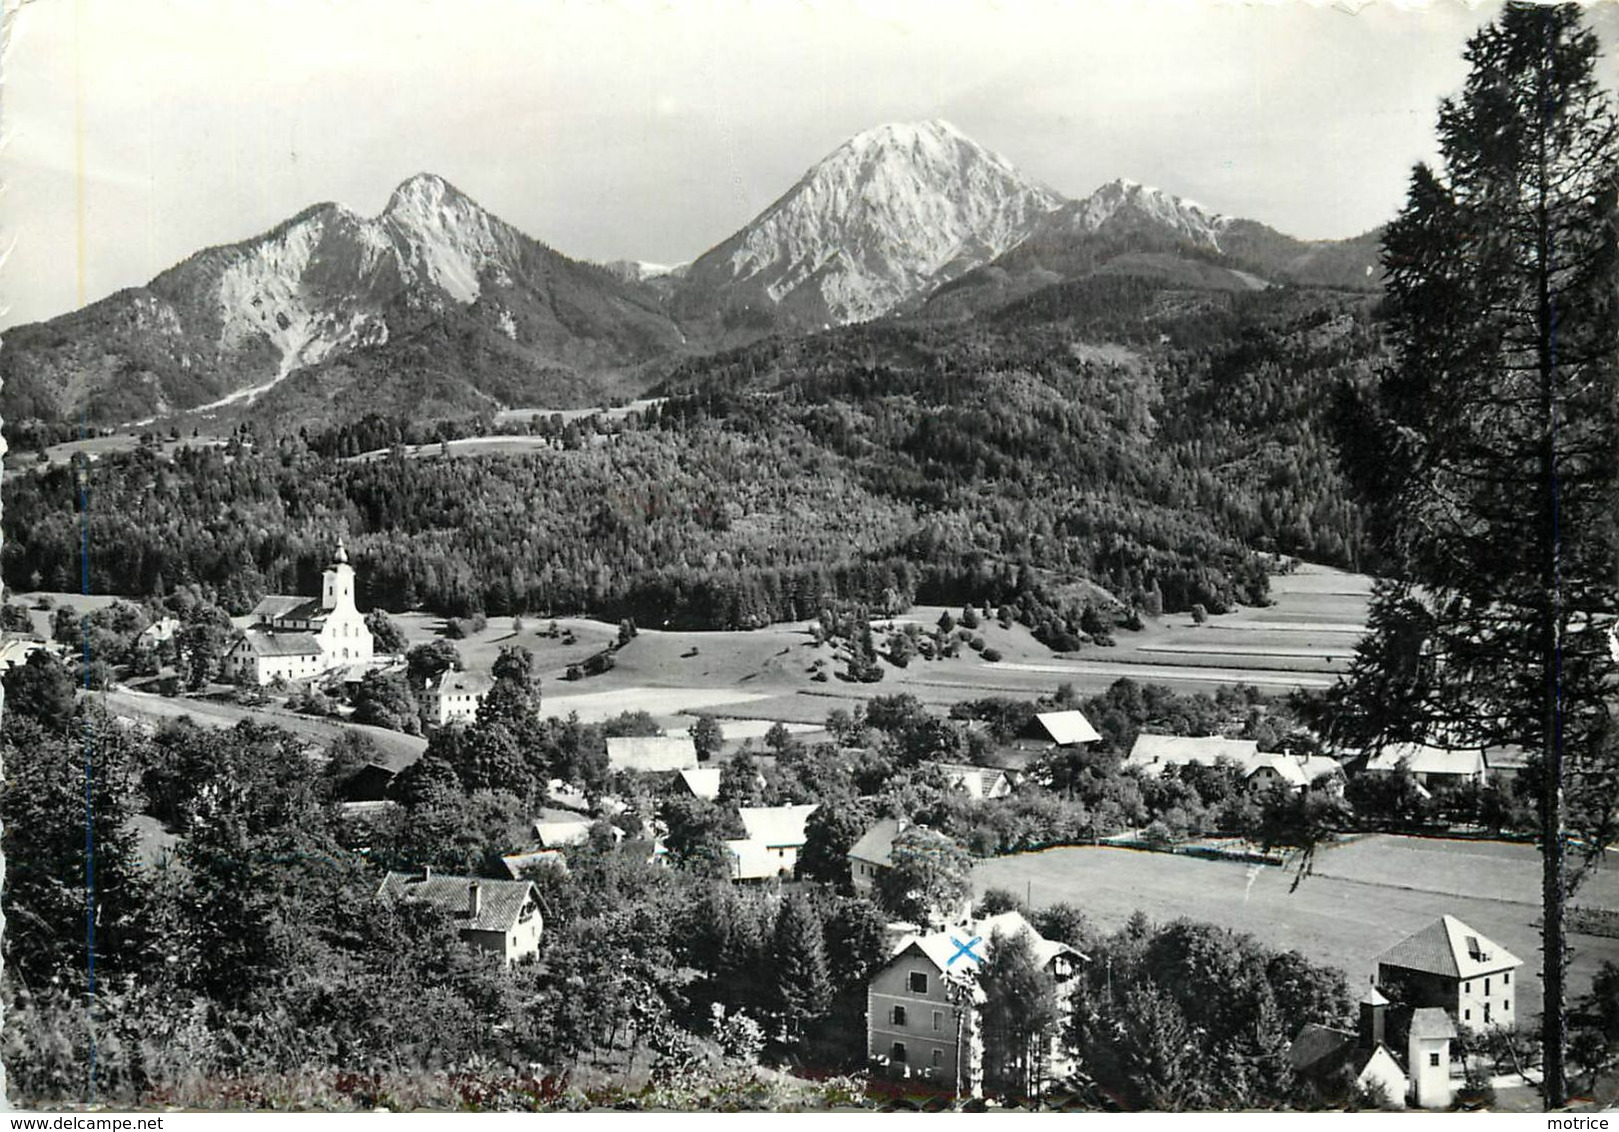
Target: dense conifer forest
[(1164, 445)]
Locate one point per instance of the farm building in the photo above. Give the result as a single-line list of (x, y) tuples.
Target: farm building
[(1066, 728), (499, 916), (1153, 754), (652, 753), (923, 1006), (1431, 766)]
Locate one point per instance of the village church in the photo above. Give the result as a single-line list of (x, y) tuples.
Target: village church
[(297, 638)]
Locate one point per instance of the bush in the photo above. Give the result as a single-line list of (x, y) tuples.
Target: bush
[(992, 655)]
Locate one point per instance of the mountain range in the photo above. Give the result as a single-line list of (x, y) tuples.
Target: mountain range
[(437, 307)]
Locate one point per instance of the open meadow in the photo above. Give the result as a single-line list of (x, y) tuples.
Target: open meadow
[(751, 679), (1364, 897)]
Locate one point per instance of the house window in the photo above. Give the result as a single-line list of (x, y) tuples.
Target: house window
[(1467, 1016), (937, 1020), (1506, 978), (1433, 1061), (1486, 1014), (919, 982), (938, 1057), (1468, 987), (899, 1053), (898, 1016)]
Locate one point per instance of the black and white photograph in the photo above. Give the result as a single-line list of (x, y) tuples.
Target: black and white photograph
[(819, 556)]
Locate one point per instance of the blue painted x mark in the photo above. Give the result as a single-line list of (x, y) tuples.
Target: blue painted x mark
[(966, 949)]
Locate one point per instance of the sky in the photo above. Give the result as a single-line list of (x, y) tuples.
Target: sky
[(136, 132)]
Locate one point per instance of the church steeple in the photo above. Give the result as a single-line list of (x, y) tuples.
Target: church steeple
[(337, 582)]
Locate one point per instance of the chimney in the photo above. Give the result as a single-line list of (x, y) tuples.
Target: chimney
[(474, 898), (1373, 1006), (427, 873)]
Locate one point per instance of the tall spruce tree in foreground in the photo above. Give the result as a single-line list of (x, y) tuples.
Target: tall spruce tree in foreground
[(1488, 451)]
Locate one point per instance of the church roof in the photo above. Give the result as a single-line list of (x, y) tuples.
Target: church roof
[(282, 644), (287, 607)]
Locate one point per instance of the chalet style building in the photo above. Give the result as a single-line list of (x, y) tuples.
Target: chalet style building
[(300, 638), (498, 916), (924, 1006)]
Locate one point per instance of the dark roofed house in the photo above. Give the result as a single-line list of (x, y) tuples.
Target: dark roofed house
[(370, 783), (1331, 1058), (499, 916)]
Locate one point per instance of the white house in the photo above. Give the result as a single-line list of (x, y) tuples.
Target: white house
[(1326, 1054), (498, 916), (455, 697), (1452, 966), (298, 638), (775, 835)]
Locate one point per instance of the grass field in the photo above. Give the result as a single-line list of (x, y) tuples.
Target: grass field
[(766, 675), (1366, 897), (397, 750)]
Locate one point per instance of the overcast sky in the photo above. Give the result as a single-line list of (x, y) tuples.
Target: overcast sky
[(654, 130)]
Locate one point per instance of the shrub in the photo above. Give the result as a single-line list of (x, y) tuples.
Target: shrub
[(992, 655)]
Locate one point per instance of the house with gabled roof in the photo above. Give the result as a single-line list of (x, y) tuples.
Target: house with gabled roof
[(652, 753), (1066, 728), (873, 854), (702, 782), (1431, 765), (1153, 754), (498, 916), (1329, 1056), (559, 833), (1453, 967), (978, 781), (923, 1007), (775, 835)]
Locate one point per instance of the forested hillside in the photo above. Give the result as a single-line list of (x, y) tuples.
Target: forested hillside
[(1155, 442)]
